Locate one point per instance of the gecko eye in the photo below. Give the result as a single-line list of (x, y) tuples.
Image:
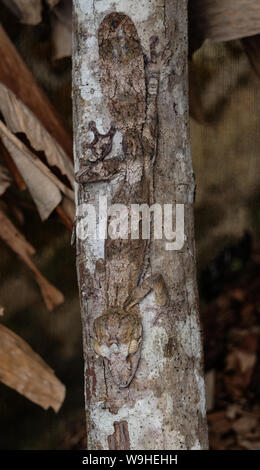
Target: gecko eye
[(92, 126), (100, 349), (97, 348), (133, 347)]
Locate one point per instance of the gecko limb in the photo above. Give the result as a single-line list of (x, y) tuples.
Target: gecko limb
[(99, 171), (155, 283), (101, 145)]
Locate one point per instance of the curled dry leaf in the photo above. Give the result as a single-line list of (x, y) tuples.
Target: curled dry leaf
[(223, 20), (16, 241), (43, 185), (5, 179), (61, 40), (53, 3), (19, 118), (233, 410), (64, 216), (16, 76), (245, 424), (249, 444), (44, 192), (28, 11), (25, 371), (62, 30), (1, 311), (241, 361)]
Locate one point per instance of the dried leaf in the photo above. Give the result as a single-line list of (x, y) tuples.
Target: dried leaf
[(69, 207), (1, 311), (43, 185), (61, 39), (246, 361), (5, 179), (53, 3), (250, 445), (19, 118), (14, 238), (223, 20), (17, 77), (64, 12), (245, 424), (44, 192), (241, 361), (16, 241), (26, 372), (62, 29), (64, 217), (28, 11), (232, 411)]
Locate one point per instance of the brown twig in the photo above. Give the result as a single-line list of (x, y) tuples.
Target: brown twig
[(64, 217)]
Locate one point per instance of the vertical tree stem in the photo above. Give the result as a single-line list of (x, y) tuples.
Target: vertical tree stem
[(164, 406)]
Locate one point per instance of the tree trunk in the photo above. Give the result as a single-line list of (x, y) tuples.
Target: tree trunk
[(131, 121)]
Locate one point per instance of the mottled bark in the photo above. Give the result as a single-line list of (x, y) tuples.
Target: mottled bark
[(163, 407)]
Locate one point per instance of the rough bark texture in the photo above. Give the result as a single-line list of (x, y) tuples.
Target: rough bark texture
[(163, 407)]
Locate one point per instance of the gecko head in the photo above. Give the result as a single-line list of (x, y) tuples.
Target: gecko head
[(118, 341)]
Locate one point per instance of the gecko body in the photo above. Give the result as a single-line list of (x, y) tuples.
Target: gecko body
[(130, 87)]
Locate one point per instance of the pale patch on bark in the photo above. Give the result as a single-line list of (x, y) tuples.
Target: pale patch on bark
[(155, 339), (189, 336), (201, 392), (146, 410), (196, 446), (179, 98)]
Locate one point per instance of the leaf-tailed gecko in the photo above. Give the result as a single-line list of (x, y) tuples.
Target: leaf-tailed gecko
[(130, 86)]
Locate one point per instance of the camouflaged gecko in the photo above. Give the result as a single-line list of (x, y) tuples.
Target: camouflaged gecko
[(130, 87)]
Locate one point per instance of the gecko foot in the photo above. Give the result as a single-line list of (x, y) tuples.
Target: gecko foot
[(155, 283)]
